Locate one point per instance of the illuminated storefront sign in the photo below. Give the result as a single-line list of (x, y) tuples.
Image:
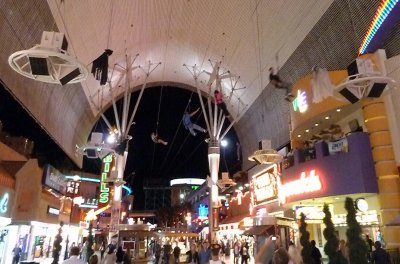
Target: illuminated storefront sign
[(305, 184), (300, 102), (53, 211), (54, 179), (105, 173), (312, 212), (4, 203), (85, 179), (264, 188), (89, 203), (203, 211), (72, 188)]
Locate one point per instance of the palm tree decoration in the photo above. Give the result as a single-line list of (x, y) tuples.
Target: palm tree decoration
[(332, 241), (305, 240), (357, 247)]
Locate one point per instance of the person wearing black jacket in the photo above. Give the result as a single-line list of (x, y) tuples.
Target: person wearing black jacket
[(380, 256), (120, 254)]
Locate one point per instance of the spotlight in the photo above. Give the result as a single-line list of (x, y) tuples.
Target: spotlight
[(224, 143), (111, 139)]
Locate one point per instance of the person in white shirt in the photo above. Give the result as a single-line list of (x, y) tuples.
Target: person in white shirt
[(74, 257), (215, 249)]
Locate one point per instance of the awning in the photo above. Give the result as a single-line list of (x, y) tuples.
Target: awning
[(259, 230), (171, 234)]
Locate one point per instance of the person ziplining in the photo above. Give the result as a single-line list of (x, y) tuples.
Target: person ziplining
[(279, 84), (219, 101), (189, 125), (154, 136)]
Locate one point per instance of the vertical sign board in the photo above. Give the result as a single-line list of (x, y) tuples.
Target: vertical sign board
[(215, 212), (106, 167)]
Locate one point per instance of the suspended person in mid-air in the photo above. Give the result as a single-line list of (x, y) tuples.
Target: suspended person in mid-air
[(157, 140), (279, 84), (219, 101), (187, 122)]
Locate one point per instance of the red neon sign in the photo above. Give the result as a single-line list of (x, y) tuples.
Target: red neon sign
[(305, 184)]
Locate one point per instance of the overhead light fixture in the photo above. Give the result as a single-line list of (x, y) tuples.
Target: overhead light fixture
[(224, 143), (338, 110), (111, 139), (265, 154), (299, 136), (307, 130), (326, 117), (49, 61), (316, 124)]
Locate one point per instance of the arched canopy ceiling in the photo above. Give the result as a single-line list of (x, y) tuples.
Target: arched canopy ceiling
[(248, 36)]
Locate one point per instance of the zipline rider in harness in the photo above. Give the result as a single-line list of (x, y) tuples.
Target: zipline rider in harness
[(219, 101), (187, 123)]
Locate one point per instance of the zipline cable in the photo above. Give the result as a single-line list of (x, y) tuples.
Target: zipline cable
[(158, 122), (176, 133), (183, 143)]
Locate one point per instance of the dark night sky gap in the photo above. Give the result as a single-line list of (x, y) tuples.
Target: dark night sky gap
[(185, 157)]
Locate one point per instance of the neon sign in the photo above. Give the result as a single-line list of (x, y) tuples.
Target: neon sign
[(106, 170), (85, 179), (300, 102), (203, 212), (381, 14), (264, 187), (305, 184), (4, 203)]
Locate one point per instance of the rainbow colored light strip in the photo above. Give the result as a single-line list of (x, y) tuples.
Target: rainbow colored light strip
[(383, 11)]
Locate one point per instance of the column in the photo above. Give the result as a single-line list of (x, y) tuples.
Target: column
[(213, 214), (376, 121)]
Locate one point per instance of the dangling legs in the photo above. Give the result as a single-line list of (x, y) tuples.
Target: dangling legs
[(198, 128), (222, 106), (162, 142), (192, 131)]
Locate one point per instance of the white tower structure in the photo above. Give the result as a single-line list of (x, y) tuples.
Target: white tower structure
[(215, 119)]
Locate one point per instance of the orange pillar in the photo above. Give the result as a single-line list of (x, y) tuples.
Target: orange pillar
[(385, 166)]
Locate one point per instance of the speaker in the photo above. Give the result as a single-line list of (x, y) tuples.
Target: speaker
[(39, 66), (352, 69), (91, 153), (349, 95), (70, 76), (376, 90)]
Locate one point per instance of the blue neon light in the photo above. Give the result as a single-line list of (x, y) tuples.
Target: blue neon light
[(85, 179), (4, 203)]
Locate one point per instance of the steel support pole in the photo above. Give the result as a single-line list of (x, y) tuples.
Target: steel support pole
[(116, 200), (213, 214)]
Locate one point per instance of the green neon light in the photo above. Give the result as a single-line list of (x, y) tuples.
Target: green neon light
[(84, 179)]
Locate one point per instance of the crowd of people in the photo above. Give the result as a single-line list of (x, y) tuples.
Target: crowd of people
[(271, 252), (110, 254)]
